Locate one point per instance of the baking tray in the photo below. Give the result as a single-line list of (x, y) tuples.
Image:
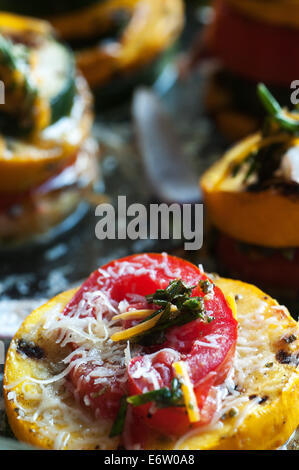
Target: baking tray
[(31, 274)]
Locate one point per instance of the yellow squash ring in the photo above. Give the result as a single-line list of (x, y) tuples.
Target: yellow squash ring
[(266, 426), (24, 24), (266, 218), (24, 164), (154, 25)]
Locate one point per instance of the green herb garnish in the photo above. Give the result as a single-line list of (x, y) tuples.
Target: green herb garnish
[(269, 364), (164, 397), (206, 286), (263, 162), (275, 111), (175, 293), (177, 307), (119, 423)]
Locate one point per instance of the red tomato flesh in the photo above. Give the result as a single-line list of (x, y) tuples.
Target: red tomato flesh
[(256, 50), (207, 348), (268, 267)]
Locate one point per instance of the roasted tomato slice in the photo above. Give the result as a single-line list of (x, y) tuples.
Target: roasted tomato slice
[(206, 348), (254, 49), (270, 267)]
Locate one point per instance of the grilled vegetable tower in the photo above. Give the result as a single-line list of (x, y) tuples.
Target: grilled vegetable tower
[(114, 39), (47, 157), (151, 353), (254, 41), (252, 197)]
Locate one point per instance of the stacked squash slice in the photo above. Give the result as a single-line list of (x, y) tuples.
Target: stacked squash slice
[(47, 157)]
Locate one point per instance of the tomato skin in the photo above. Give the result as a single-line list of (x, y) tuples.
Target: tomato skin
[(149, 274), (171, 421), (253, 49), (206, 369), (272, 270), (104, 404), (158, 418), (143, 283)]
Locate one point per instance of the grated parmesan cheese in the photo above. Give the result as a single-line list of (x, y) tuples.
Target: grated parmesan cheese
[(90, 326)]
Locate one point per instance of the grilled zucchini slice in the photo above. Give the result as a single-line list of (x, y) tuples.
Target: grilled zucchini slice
[(26, 163), (55, 74), (114, 38), (42, 86), (39, 84)]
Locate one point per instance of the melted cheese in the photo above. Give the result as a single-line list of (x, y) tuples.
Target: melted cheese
[(255, 371), (45, 400), (90, 325)]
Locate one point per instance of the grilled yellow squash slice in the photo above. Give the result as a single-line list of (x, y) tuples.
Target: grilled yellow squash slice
[(152, 27), (258, 404), (266, 217)]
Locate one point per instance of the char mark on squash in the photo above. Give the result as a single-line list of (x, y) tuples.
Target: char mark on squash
[(290, 339), (285, 357), (30, 349)]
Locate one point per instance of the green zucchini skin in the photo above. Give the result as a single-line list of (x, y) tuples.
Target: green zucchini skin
[(118, 91), (12, 59), (62, 104), (44, 8), (62, 101), (60, 94)]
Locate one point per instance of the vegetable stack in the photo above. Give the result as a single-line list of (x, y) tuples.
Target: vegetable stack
[(113, 39), (252, 197), (47, 157), (254, 41)]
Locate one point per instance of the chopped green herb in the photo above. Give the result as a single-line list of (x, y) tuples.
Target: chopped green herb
[(262, 163), (174, 292), (206, 286), (269, 364), (118, 425), (229, 414), (275, 111), (232, 412), (177, 308), (164, 397), (251, 161)]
